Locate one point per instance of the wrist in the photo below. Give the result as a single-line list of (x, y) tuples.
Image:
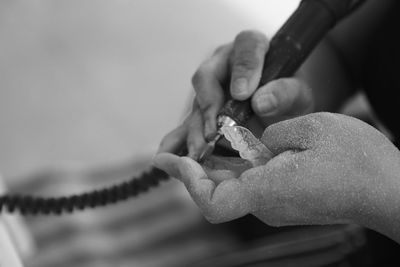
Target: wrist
[(380, 211)]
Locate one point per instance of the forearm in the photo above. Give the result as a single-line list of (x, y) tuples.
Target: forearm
[(381, 208), (334, 69)]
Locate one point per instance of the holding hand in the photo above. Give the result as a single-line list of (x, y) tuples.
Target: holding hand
[(327, 168), (235, 69)]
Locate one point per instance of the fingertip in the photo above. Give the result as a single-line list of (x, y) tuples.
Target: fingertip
[(265, 104), (168, 162), (161, 160)]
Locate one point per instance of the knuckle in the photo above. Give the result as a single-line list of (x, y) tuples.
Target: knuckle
[(312, 127), (198, 77), (249, 49), (246, 61), (304, 132)]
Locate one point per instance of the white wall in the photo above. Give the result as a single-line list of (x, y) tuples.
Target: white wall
[(84, 83)]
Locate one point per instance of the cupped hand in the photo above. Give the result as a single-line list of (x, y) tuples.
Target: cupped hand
[(327, 168), (235, 69)]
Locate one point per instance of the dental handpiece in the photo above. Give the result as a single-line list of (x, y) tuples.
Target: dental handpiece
[(288, 49)]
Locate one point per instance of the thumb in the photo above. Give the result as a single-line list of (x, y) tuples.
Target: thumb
[(283, 97), (300, 133)]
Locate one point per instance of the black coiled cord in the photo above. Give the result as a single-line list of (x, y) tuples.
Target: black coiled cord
[(30, 205)]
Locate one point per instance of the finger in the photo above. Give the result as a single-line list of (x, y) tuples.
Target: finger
[(209, 92), (249, 51), (300, 133), (195, 138), (227, 201), (169, 163), (219, 169), (235, 164), (288, 96), (218, 176), (174, 140)]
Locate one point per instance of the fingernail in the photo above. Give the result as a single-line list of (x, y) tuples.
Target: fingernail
[(240, 88), (267, 104)]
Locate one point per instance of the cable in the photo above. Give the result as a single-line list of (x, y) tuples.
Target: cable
[(30, 205)]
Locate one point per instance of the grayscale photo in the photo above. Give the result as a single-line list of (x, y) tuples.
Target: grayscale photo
[(202, 133)]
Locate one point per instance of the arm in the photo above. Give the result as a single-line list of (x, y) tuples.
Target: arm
[(334, 68)]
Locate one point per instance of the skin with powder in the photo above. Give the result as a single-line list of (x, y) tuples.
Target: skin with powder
[(325, 168)]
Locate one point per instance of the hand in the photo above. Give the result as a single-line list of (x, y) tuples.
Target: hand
[(239, 65), (328, 168)]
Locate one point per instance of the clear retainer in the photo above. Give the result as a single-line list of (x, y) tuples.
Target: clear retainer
[(248, 146)]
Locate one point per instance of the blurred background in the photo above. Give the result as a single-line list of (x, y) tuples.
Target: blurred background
[(88, 83), (87, 91)]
